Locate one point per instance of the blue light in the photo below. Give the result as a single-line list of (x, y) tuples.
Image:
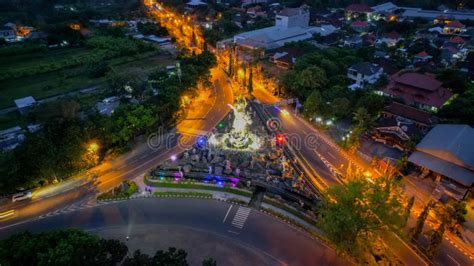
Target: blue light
[(201, 141)]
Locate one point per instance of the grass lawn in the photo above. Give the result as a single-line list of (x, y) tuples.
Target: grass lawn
[(66, 80)]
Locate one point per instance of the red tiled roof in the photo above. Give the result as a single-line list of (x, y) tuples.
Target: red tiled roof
[(455, 24), (360, 23), (411, 113), (457, 40), (393, 35), (422, 54), (417, 80), (417, 88), (362, 8)]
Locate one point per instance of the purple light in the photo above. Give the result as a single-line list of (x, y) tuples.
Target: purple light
[(173, 158)]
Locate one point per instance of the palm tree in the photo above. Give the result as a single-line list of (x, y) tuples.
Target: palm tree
[(363, 118)]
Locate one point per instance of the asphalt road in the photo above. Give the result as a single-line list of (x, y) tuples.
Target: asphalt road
[(261, 236), (83, 188), (298, 131)]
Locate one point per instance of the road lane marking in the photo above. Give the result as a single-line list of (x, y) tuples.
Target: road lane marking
[(225, 217), (241, 217), (455, 261)]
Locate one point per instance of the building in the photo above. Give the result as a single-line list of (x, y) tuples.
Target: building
[(390, 39), (422, 57), (7, 33), (358, 11), (446, 154), (292, 17), (364, 73), (400, 124), (108, 105), (360, 26), (291, 25), (24, 104), (385, 7), (412, 13), (284, 57), (11, 138), (454, 27), (420, 90)]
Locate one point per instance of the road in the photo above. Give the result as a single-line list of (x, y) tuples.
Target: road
[(138, 161), (294, 126), (229, 233)]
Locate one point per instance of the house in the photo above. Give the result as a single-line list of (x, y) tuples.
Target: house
[(364, 73), (353, 41), (446, 154), (452, 54), (441, 20), (400, 124), (385, 11), (11, 138), (7, 33), (285, 57), (358, 11), (457, 41), (360, 26), (422, 91), (390, 39), (454, 27), (422, 57), (108, 105), (24, 104)]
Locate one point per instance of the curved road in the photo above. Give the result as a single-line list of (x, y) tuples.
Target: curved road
[(232, 234)]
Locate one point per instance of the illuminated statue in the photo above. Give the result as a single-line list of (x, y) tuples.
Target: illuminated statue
[(239, 137)]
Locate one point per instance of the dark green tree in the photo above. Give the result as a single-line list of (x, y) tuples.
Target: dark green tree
[(209, 262), (408, 208), (436, 240), (250, 82), (420, 222)]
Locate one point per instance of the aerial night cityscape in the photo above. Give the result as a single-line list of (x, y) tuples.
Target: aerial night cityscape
[(237, 132)]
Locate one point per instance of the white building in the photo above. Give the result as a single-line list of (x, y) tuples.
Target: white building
[(292, 17), (291, 25), (363, 73)]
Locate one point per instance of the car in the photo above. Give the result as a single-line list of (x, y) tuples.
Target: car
[(21, 196)]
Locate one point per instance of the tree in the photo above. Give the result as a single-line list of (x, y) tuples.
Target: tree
[(358, 211), (436, 240), (209, 262), (61, 247), (416, 231), (363, 120), (460, 110), (408, 208), (130, 120), (250, 83), (456, 214), (313, 103)]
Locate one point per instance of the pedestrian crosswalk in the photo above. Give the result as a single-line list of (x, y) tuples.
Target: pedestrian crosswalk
[(240, 217), (73, 207)]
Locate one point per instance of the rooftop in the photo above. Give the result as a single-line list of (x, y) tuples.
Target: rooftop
[(362, 8), (366, 68), (411, 113), (447, 149), (417, 80), (25, 102)]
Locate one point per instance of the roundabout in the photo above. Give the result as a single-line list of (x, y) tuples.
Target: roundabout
[(232, 234)]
